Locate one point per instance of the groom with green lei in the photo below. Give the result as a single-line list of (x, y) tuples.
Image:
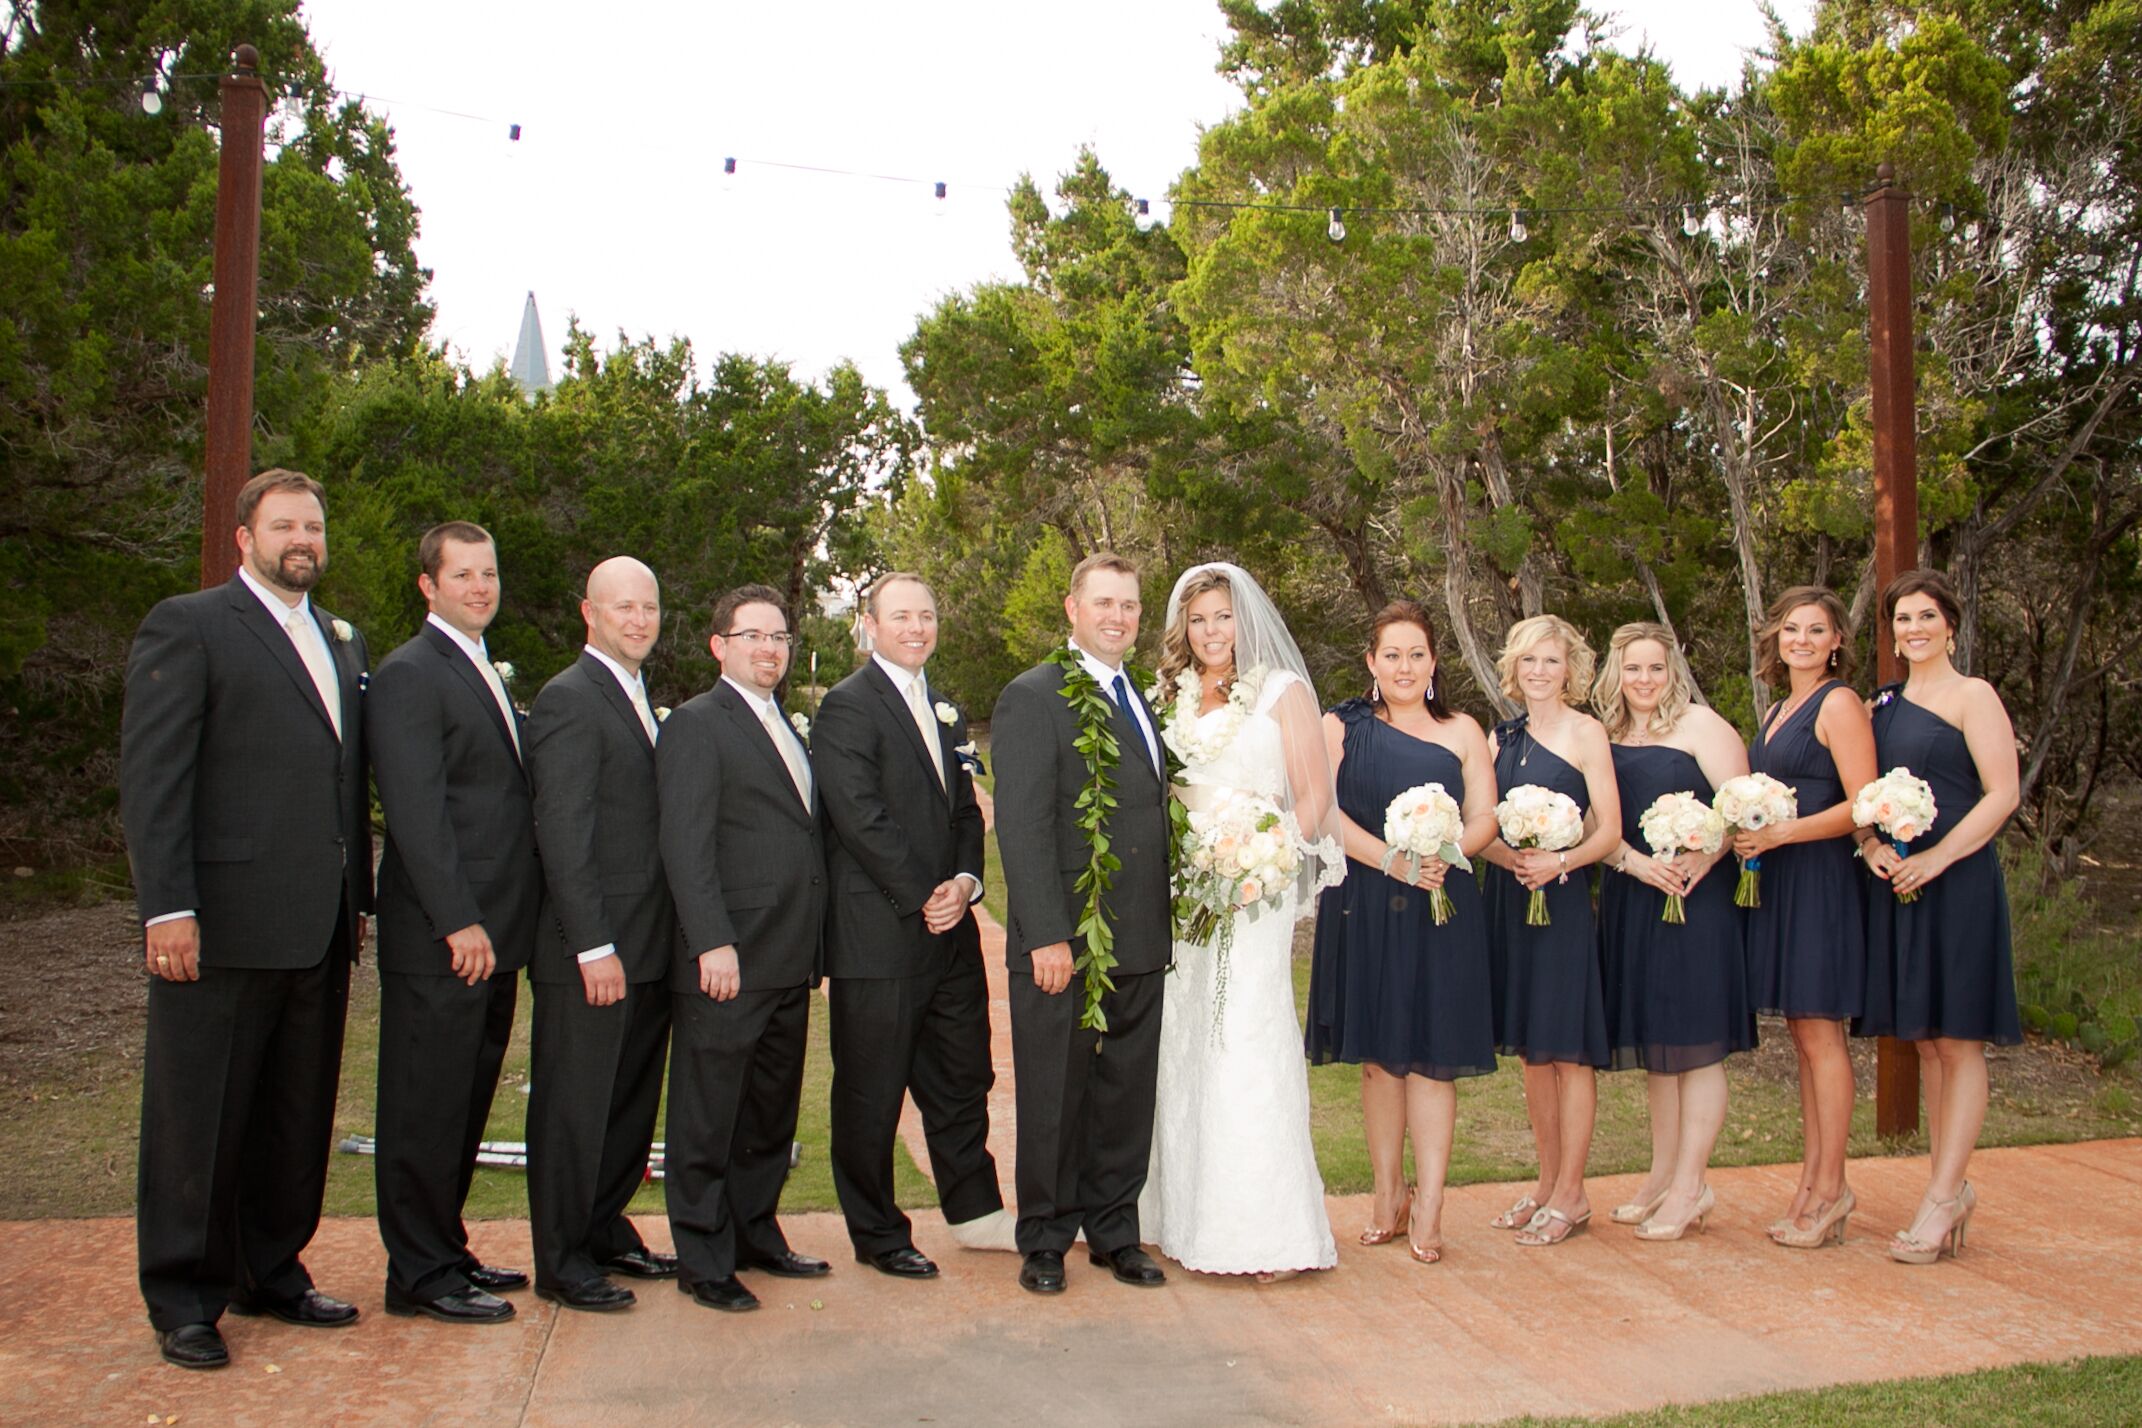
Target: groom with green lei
[(1083, 830)]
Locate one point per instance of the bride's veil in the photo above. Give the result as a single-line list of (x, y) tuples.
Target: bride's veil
[(1288, 696)]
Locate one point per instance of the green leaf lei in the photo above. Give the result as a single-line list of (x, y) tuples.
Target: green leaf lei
[(1093, 707)]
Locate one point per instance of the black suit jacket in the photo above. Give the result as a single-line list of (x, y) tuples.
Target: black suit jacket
[(897, 831), (239, 801), (596, 823), (460, 819), (746, 860), (1040, 774)]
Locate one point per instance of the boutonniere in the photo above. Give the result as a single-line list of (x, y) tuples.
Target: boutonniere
[(342, 630), (661, 713), (801, 725), (947, 714), (504, 668)]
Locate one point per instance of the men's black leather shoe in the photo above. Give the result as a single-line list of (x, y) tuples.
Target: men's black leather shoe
[(1132, 1265), (1043, 1272), (311, 1310), (463, 1306), (597, 1295), (643, 1264), (194, 1346), (904, 1263), (724, 1294), (788, 1265), (493, 1279)]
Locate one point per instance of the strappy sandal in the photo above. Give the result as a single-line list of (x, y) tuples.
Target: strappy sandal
[(1518, 1216), (1535, 1236)]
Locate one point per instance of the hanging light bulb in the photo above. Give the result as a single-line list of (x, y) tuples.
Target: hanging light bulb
[(1336, 229), (1142, 214), (1690, 224), (940, 189), (1518, 231), (1948, 220), (151, 102)]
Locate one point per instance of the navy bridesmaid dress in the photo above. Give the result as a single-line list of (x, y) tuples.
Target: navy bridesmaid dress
[(1386, 985), (1549, 1002), (1939, 965), (1807, 942), (1676, 993)]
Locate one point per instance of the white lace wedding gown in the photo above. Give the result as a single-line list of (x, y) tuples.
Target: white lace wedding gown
[(1233, 1186)]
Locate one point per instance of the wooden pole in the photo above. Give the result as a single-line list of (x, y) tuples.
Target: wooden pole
[(1896, 520), (232, 314)]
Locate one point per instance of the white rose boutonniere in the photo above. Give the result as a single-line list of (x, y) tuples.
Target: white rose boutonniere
[(801, 725), (342, 630), (661, 713), (947, 714), (504, 668)]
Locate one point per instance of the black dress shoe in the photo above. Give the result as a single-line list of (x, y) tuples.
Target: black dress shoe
[(462, 1306), (311, 1310), (724, 1294), (643, 1264), (493, 1279), (194, 1346), (1132, 1265), (905, 1263), (787, 1265), (1043, 1272), (597, 1295)]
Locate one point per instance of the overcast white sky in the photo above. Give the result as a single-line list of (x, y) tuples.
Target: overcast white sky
[(613, 205)]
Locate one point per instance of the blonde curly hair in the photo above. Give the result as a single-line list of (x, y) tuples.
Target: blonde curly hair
[(1607, 700), (1525, 635)]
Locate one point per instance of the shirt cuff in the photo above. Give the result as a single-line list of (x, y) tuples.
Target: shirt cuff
[(974, 887), (168, 917), (596, 954)]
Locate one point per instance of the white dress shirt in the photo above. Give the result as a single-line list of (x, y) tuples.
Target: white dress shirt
[(906, 683)]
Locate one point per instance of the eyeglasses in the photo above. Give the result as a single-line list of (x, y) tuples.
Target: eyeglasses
[(780, 638)]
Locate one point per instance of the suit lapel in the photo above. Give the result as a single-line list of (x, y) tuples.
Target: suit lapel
[(614, 695), (899, 713), (465, 670), (254, 616), (748, 721)]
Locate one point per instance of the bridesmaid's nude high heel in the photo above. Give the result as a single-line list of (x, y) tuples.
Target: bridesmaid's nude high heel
[(1638, 1211), (1908, 1248), (1829, 1226), (1423, 1254), (1375, 1236), (1652, 1229)]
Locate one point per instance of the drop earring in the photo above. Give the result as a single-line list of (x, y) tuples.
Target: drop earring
[(1952, 646), (1430, 695), (1833, 659), (1899, 648), (1375, 692)]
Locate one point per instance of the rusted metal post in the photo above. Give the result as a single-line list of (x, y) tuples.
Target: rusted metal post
[(1896, 520), (232, 313)]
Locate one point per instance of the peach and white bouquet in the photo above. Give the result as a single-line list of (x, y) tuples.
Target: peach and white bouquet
[(1750, 803), (1425, 822), (1680, 823), (1238, 855), (1899, 805), (1532, 816)]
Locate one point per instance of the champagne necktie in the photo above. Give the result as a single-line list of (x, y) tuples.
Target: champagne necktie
[(918, 704), (306, 636), (791, 751)]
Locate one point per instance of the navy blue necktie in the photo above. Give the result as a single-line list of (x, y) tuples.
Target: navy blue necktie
[(1122, 693)]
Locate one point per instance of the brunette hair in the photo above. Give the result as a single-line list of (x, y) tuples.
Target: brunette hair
[(1770, 665), (732, 601), (275, 478), (1933, 585), (1607, 699), (1100, 560), (1536, 631), (1407, 612), (870, 601), (1175, 655), (431, 550)]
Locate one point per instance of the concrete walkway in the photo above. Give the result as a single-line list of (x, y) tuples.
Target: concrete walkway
[(1602, 1324)]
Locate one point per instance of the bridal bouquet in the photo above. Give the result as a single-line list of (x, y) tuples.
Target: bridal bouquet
[(1900, 805), (1425, 822), (1678, 823), (1237, 856), (1535, 817), (1750, 802)]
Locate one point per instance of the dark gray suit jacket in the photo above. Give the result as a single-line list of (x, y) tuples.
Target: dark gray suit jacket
[(746, 861), (238, 800), (598, 827), (460, 819), (1040, 774), (897, 831)]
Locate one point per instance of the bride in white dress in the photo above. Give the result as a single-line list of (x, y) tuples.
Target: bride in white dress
[(1233, 1186)]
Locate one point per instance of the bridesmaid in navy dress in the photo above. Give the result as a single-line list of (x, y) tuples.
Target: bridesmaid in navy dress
[(1807, 940), (1550, 1010), (1389, 989), (1938, 968), (1676, 993)]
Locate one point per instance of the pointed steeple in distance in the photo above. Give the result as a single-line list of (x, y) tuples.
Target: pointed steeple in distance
[(531, 368)]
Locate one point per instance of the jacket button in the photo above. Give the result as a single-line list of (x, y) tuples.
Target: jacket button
[(814, 882)]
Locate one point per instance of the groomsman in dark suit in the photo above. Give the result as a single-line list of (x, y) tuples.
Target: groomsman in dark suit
[(910, 1001), (605, 953), (1085, 1101), (241, 784), (743, 845), (460, 891)]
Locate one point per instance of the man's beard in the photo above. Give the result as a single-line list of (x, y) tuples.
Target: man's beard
[(296, 570)]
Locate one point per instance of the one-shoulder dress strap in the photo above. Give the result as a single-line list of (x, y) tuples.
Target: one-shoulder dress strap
[(1509, 729), (1354, 711)]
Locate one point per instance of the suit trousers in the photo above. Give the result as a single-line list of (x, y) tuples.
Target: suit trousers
[(237, 1110), (1085, 1131), (441, 1043), (930, 1035), (595, 1082), (736, 1075)]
